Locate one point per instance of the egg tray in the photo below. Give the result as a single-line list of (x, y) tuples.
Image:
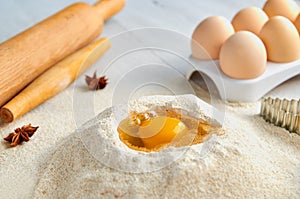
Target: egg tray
[(245, 90)]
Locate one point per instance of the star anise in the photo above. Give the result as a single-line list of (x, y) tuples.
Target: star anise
[(95, 83), (21, 134)]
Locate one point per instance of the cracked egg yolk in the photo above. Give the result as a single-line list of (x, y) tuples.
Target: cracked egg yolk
[(161, 130), (153, 133)]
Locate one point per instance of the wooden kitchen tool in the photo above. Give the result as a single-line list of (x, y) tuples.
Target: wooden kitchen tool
[(53, 81), (28, 54)]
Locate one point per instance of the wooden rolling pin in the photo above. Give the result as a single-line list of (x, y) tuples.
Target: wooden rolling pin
[(53, 81), (28, 54)]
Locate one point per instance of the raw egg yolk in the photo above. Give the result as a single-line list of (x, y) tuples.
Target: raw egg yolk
[(161, 130)]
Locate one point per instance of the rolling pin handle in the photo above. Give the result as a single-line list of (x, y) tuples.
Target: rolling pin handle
[(108, 8)]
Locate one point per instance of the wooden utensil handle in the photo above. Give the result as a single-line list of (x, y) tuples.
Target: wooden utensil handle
[(54, 80), (108, 8), (27, 55)]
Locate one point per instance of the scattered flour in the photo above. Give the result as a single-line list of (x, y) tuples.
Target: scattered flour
[(252, 160)]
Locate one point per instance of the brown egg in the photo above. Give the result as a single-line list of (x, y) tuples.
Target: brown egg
[(285, 8), (243, 56), (297, 23), (281, 39), (251, 19), (209, 36)]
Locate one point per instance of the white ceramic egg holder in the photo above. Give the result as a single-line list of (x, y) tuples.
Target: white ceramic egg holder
[(246, 90)]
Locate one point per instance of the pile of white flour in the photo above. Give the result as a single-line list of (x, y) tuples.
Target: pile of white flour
[(252, 160)]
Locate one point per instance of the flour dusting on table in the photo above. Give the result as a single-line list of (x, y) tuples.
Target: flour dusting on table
[(253, 159)]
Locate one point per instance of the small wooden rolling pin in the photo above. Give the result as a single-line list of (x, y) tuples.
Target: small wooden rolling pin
[(28, 54), (53, 81)]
